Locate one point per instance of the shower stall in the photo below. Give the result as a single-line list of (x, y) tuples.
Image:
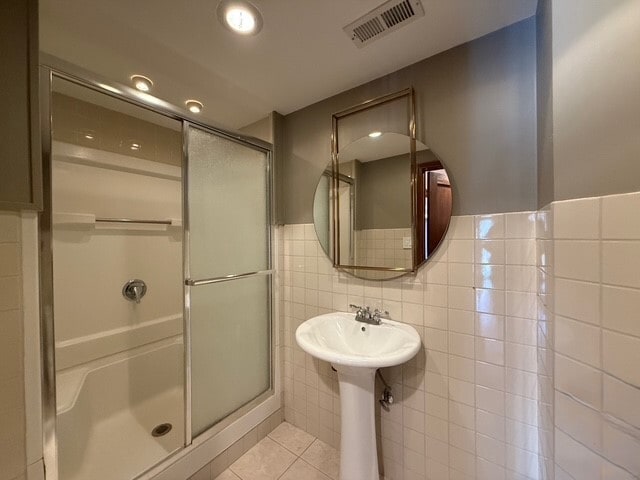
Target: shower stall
[(157, 282)]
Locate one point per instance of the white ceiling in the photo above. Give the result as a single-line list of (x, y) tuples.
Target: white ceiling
[(301, 55)]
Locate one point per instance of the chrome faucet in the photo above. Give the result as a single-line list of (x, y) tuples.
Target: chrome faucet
[(365, 315)]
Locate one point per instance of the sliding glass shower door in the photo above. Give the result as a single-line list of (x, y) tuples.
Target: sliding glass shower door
[(228, 275)]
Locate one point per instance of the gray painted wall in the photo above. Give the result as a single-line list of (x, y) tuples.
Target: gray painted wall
[(20, 157), (383, 193), (262, 129), (544, 97), (596, 97), (476, 108)]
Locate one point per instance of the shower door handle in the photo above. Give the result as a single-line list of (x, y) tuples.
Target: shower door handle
[(206, 281)]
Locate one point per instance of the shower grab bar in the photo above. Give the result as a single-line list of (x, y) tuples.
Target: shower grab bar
[(206, 281), (70, 218), (133, 220)]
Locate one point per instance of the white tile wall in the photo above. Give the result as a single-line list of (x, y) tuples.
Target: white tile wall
[(382, 247), (597, 337), (12, 410), (468, 405), (520, 314)]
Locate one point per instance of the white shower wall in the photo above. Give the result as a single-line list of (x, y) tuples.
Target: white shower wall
[(93, 261)]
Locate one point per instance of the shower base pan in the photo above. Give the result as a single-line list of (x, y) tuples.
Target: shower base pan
[(107, 431)]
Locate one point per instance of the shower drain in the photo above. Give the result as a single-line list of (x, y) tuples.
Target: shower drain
[(161, 430)]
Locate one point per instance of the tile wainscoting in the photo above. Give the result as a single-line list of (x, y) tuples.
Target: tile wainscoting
[(531, 338), (596, 258), (383, 247), (12, 405), (471, 404)]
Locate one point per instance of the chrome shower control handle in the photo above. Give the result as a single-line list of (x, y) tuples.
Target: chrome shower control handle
[(134, 290)]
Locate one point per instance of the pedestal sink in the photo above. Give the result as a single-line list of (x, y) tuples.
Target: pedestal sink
[(356, 350)]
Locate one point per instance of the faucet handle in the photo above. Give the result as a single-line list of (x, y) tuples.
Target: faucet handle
[(378, 314), (357, 307)]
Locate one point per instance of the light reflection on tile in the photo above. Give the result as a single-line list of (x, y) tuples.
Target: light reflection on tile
[(489, 226), (490, 251)]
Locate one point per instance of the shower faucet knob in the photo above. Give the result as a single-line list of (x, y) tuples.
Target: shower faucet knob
[(134, 290)]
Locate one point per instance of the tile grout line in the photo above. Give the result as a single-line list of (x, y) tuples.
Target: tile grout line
[(298, 457), (289, 450), (289, 467)]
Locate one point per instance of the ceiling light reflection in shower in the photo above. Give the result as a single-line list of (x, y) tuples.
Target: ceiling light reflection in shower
[(88, 134), (239, 16), (375, 134), (142, 83)]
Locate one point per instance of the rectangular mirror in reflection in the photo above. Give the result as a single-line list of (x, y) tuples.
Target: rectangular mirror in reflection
[(374, 159)]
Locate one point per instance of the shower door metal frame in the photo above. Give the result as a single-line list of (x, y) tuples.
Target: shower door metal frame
[(50, 67), (190, 283)]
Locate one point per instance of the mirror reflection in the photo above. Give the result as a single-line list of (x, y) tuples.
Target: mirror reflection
[(382, 208), (434, 201), (375, 224)]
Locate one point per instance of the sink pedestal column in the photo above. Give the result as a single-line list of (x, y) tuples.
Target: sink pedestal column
[(358, 452)]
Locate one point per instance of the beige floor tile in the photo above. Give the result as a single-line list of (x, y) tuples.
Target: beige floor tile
[(292, 438), (324, 457), (301, 470), (266, 461), (227, 475)]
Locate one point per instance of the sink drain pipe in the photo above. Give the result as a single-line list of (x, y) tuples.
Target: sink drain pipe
[(387, 395)]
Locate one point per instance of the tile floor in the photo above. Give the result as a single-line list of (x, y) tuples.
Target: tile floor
[(287, 453)]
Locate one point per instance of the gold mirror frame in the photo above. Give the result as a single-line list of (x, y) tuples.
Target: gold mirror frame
[(409, 94)]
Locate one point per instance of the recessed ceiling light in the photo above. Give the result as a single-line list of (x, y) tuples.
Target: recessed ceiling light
[(142, 83), (375, 134), (194, 106), (240, 17)]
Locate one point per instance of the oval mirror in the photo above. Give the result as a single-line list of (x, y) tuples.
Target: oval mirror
[(381, 208)]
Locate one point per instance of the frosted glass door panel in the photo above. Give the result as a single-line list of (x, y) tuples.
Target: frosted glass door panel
[(230, 345), (228, 206)]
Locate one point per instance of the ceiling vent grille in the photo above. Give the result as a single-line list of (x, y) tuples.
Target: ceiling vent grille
[(389, 16)]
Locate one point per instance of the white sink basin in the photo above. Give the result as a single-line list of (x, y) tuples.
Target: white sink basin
[(338, 338), (357, 350)]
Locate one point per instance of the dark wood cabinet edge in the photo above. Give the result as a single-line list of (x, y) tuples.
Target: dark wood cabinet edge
[(422, 168)]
